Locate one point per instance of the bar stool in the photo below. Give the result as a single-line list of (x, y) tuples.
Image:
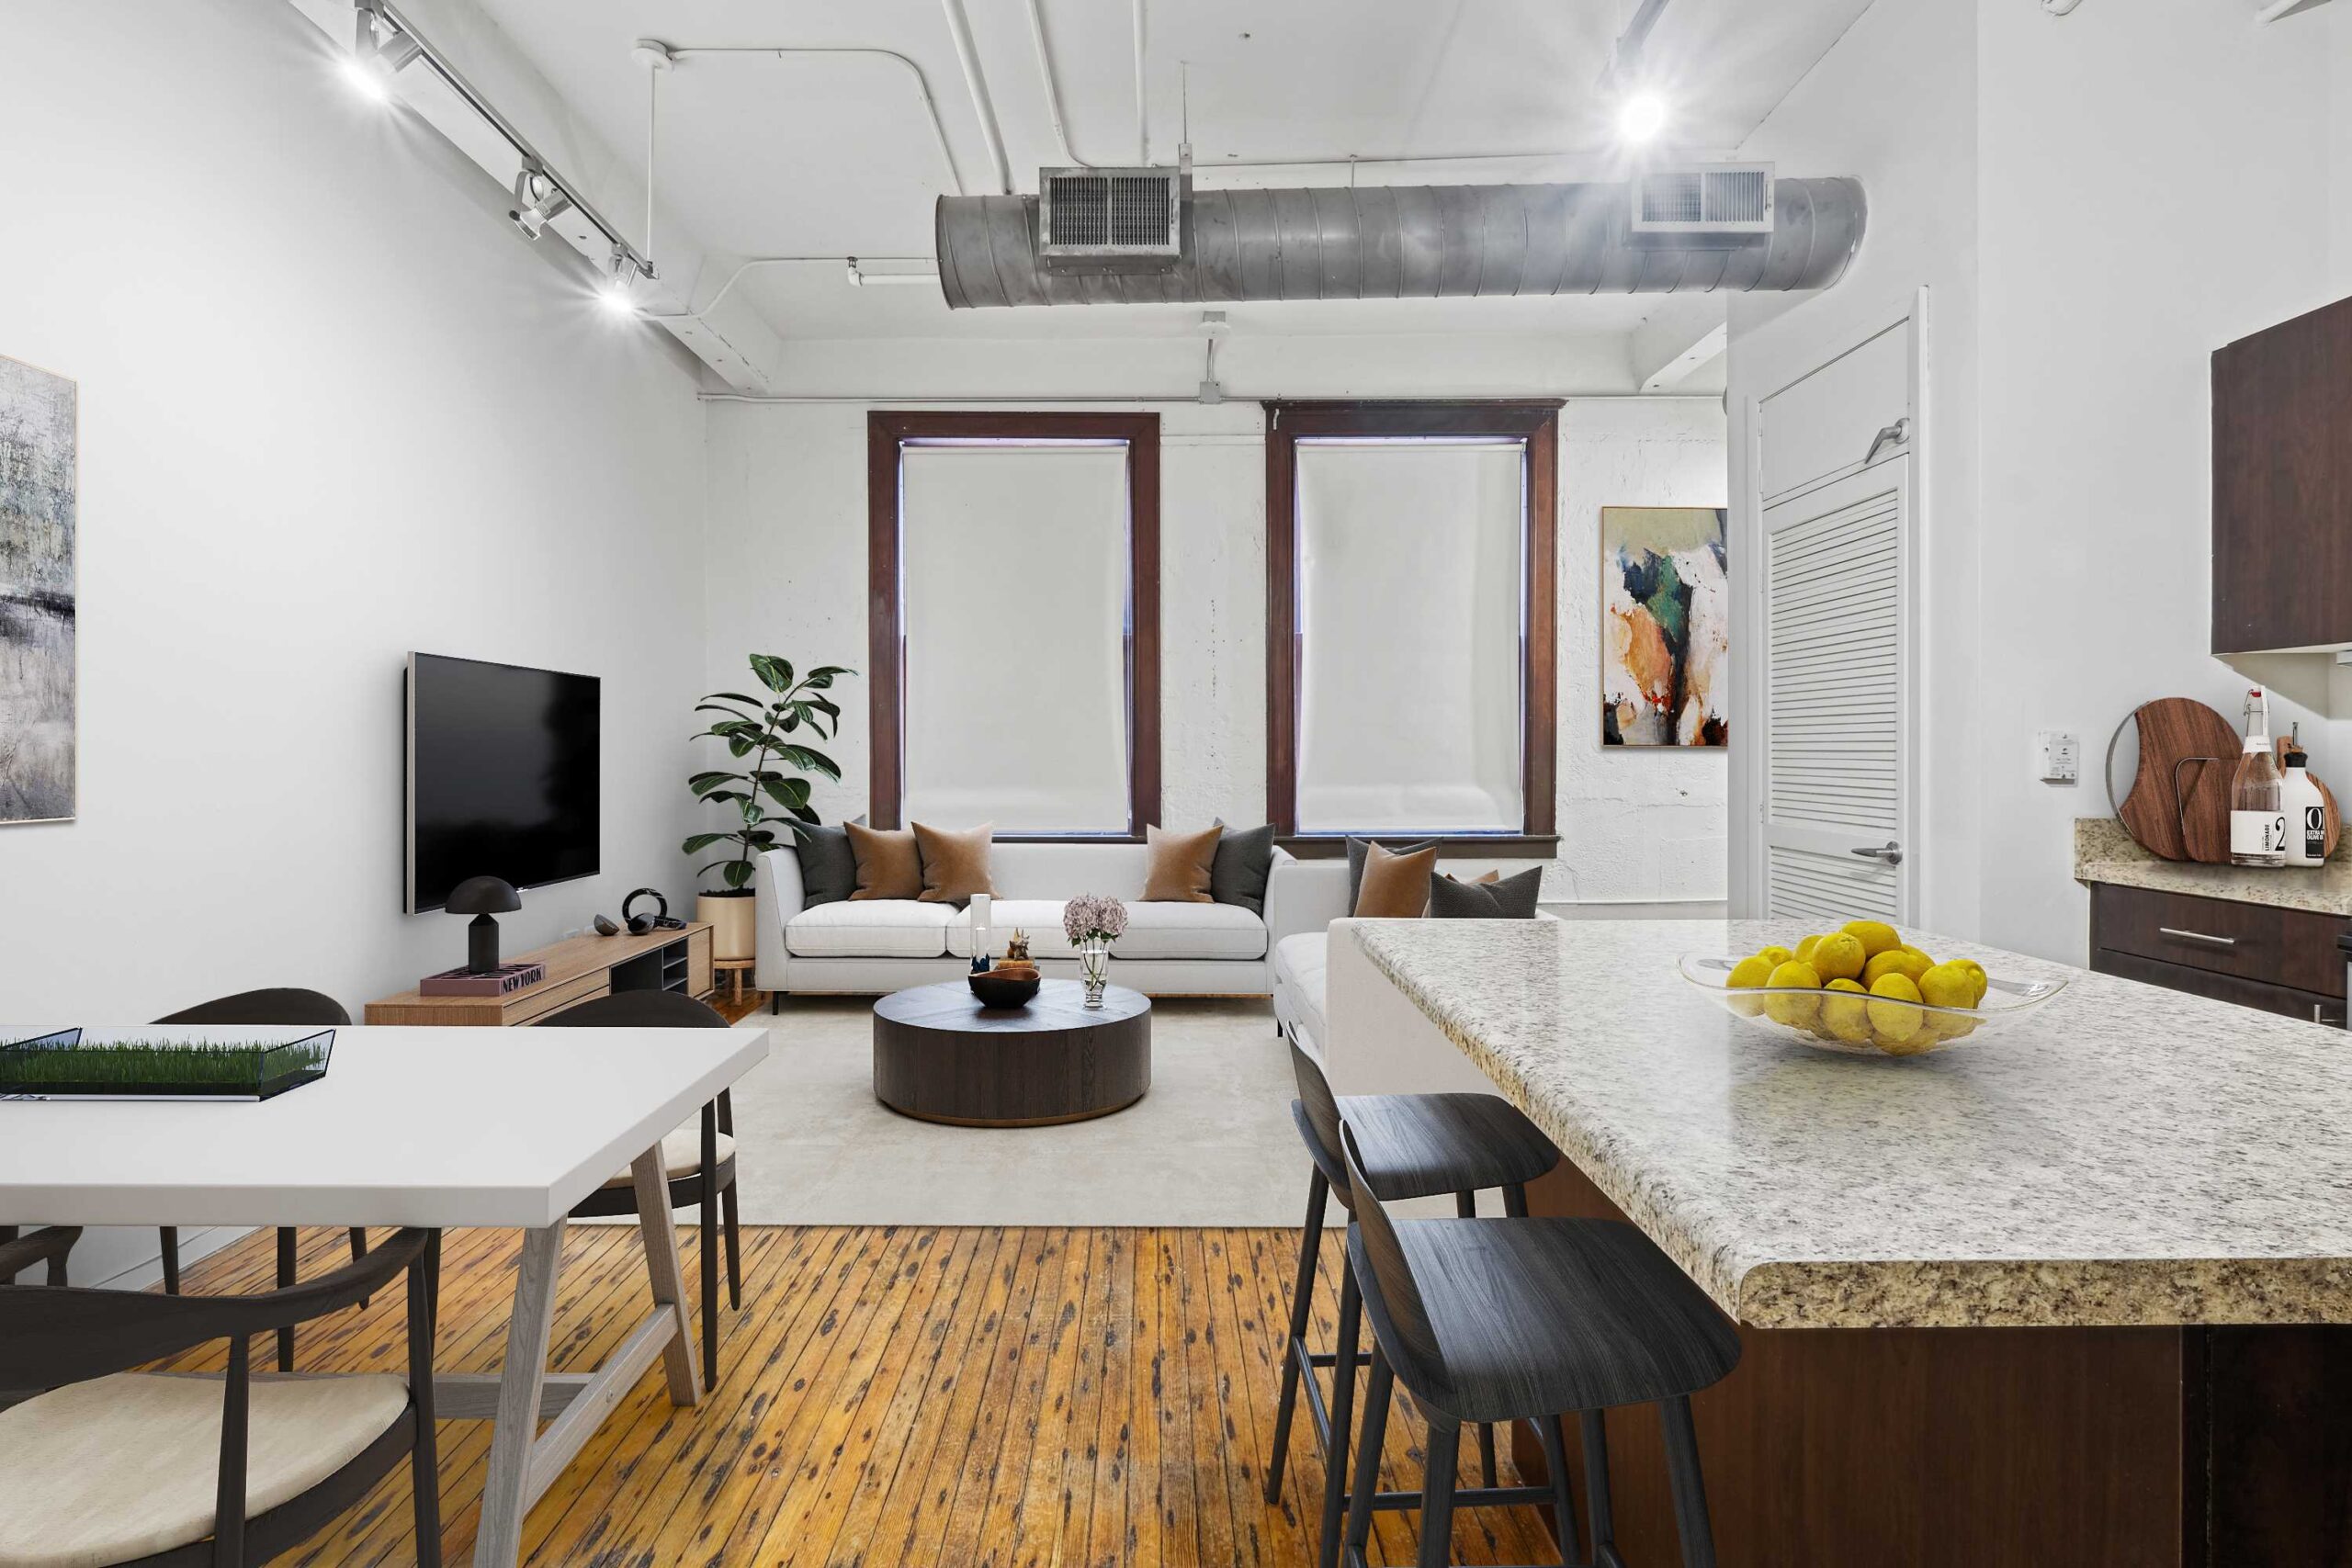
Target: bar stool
[(1419, 1146), (1525, 1320)]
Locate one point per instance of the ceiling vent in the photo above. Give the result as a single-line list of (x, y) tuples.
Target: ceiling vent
[(1731, 199), (1110, 219)]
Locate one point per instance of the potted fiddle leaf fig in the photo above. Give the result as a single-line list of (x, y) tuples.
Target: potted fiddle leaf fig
[(768, 738)]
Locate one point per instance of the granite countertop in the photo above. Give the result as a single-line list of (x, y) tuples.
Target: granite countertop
[(2105, 853), (2126, 1155)]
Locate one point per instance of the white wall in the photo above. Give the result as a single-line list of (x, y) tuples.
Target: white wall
[(787, 575), (2149, 173), (332, 408)]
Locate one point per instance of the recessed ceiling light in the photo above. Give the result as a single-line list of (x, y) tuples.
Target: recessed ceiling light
[(1641, 117)]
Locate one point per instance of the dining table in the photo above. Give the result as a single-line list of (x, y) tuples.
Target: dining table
[(436, 1128)]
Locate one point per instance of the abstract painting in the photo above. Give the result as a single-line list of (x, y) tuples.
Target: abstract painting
[(37, 488), (1665, 626)]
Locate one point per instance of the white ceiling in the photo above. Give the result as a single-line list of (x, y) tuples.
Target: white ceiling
[(763, 155)]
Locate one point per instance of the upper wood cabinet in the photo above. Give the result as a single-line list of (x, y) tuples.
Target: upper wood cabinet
[(2282, 486)]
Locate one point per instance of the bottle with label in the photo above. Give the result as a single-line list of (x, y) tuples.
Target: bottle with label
[(2257, 819), (2306, 812)]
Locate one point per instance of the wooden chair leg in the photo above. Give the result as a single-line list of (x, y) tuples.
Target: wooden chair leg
[(709, 1247), (425, 1470), (170, 1237), (1373, 1432), (286, 1239), (1563, 1503), (1691, 1520), (730, 1208), (1302, 1302), (1596, 1484), (1443, 1448), (1343, 1404)]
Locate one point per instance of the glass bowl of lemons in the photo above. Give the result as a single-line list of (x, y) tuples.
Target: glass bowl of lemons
[(1863, 991)]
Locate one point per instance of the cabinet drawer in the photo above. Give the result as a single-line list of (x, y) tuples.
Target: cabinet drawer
[(2286, 1001), (2293, 948), (537, 1003)]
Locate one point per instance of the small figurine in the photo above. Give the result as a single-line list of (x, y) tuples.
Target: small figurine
[(1016, 948)]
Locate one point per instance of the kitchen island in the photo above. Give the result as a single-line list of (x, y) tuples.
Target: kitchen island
[(2051, 1296)]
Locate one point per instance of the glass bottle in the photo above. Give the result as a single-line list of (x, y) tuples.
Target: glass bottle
[(2257, 818)]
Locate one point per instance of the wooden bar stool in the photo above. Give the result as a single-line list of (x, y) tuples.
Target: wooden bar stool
[(1420, 1145), (1526, 1320)]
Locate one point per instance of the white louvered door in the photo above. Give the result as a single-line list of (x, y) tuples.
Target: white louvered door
[(1837, 730)]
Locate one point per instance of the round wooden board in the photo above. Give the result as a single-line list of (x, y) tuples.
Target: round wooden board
[(2181, 736)]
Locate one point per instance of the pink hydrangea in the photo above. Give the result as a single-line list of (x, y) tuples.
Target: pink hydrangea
[(1094, 915)]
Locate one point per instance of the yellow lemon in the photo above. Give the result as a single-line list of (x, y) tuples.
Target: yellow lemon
[(1984, 983), (1797, 1011), (1806, 947), (1876, 936), (1909, 962), (1948, 985), (1893, 1016), (1747, 976), (1925, 1040), (1775, 956), (1838, 957), (1918, 953), (1845, 1011)]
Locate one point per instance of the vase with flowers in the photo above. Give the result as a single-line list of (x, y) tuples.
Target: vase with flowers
[(1094, 921)]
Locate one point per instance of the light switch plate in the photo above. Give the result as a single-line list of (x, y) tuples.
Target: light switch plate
[(2060, 755)]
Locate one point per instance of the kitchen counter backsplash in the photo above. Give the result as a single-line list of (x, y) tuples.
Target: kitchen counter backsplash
[(2105, 853)]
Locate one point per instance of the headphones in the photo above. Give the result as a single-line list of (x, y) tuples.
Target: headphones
[(659, 921)]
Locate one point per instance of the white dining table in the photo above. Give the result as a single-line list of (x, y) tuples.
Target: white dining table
[(438, 1128)]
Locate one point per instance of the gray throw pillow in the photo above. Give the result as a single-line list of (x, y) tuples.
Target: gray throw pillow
[(1511, 898), (828, 868), (1244, 860), (1358, 850)]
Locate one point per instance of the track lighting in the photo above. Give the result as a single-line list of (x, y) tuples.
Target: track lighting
[(537, 198), (1641, 117), (373, 61), (617, 292)]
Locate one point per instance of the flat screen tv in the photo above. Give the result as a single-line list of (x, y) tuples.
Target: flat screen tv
[(503, 767)]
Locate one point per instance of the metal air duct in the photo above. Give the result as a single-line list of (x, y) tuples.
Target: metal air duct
[(1406, 242)]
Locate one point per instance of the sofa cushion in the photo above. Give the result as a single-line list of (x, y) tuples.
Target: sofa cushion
[(1244, 858), (1154, 931), (1491, 898), (1359, 850), (1394, 886), (889, 864), (1176, 865), (1299, 963), (954, 863), (874, 928), (828, 869)]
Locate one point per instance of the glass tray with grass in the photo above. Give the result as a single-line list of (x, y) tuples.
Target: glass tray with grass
[(170, 1063)]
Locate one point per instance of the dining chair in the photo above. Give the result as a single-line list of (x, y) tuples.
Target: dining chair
[(108, 1464), (687, 1154), (271, 1006)]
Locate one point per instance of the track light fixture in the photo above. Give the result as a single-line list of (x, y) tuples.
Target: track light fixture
[(379, 52), (537, 198), (617, 292), (1641, 117)]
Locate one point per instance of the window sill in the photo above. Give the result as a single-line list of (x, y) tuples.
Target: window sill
[(1490, 846)]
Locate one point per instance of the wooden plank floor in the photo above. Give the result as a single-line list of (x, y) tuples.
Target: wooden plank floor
[(897, 1397)]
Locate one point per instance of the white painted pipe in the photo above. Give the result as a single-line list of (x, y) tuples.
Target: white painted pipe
[(1143, 97), (923, 90), (959, 29)]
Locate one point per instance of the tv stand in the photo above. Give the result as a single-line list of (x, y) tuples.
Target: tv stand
[(578, 968)]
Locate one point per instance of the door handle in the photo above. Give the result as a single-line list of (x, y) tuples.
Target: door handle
[(2197, 936), (1891, 853), (1895, 435)]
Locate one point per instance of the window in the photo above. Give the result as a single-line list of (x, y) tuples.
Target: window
[(1013, 621), (1412, 663)]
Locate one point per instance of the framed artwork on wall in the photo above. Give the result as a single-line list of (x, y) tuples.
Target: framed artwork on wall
[(1665, 626), (39, 485)]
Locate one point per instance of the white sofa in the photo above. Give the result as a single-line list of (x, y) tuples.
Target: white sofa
[(867, 947)]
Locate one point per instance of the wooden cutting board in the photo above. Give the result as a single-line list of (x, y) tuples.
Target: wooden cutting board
[(2178, 805)]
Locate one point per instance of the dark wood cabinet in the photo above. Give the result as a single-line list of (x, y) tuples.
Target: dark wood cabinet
[(2257, 956), (2282, 485)]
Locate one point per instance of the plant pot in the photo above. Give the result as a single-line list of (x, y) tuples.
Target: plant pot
[(733, 917)]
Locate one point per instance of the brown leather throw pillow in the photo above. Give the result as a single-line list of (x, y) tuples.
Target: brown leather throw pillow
[(889, 865), (1179, 867), (954, 865), (1396, 887)]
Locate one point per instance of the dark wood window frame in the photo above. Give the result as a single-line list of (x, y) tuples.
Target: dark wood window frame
[(886, 435), (1534, 421)]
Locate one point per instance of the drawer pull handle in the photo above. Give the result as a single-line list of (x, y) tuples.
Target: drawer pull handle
[(2199, 936), (2320, 1016)]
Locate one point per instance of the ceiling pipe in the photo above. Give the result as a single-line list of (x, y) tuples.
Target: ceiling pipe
[(923, 90), (727, 288), (959, 28), (1406, 242), (1143, 98)]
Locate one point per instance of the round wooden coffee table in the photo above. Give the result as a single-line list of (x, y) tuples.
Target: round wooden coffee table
[(939, 1055)]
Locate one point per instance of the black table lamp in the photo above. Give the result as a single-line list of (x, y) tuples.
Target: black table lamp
[(482, 897)]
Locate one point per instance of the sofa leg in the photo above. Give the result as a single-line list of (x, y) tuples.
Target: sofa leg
[(776, 1002)]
